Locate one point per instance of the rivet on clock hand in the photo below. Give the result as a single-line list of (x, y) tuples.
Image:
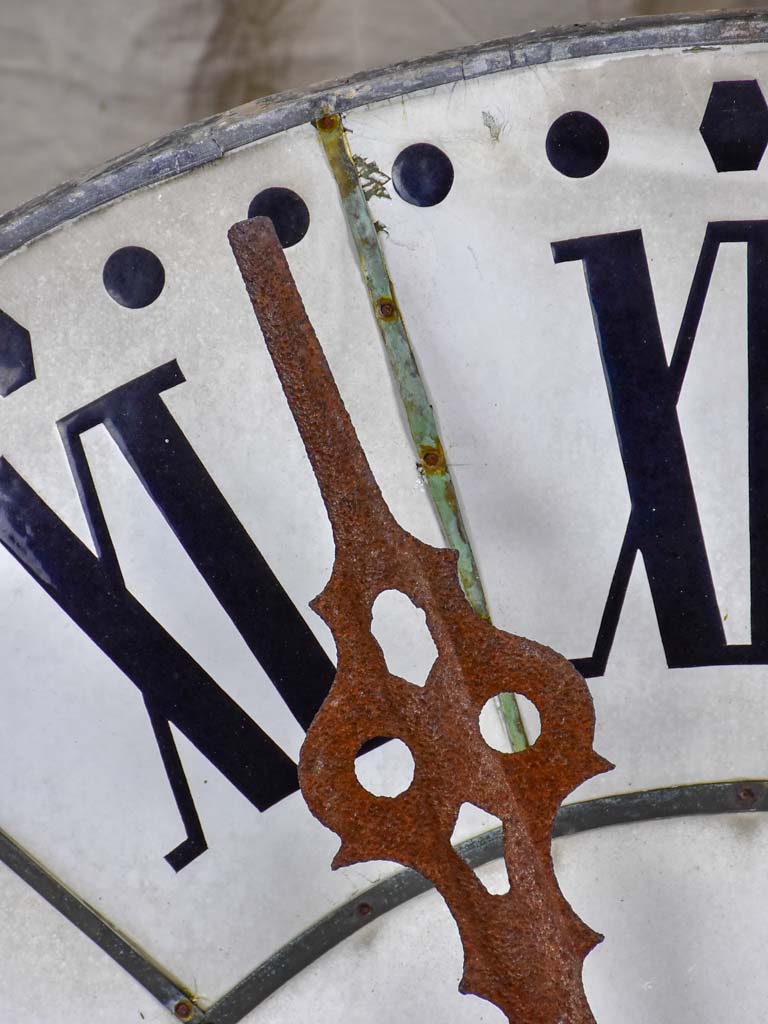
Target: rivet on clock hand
[(386, 309), (328, 123), (432, 459)]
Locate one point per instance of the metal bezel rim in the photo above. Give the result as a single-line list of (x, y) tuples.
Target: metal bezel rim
[(206, 141)]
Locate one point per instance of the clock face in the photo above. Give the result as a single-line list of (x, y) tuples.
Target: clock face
[(576, 234)]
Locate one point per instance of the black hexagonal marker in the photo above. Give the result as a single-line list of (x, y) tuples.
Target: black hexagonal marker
[(735, 125), (17, 366)]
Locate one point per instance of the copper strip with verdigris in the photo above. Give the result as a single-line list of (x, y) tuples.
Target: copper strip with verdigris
[(418, 409)]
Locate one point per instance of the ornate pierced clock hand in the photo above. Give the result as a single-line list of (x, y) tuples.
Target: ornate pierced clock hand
[(523, 951)]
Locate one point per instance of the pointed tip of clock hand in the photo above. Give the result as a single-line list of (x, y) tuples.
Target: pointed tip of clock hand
[(346, 482)]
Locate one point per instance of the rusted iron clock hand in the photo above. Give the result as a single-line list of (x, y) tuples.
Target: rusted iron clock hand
[(524, 950)]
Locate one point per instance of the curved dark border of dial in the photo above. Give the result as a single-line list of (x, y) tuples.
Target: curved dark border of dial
[(743, 796), (210, 139), (681, 801), (90, 922)]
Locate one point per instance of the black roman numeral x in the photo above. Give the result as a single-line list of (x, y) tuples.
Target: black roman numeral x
[(91, 590), (644, 390)]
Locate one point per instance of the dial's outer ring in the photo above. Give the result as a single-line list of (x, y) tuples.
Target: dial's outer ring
[(205, 141)]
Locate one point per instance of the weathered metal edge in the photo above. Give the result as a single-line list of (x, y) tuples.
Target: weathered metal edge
[(305, 949), (92, 924), (301, 952), (416, 405), (208, 140)]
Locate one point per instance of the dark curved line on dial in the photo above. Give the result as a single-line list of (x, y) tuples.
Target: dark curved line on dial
[(682, 801), (208, 140), (162, 986), (679, 802)]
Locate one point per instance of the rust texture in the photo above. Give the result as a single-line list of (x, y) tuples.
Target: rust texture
[(524, 950)]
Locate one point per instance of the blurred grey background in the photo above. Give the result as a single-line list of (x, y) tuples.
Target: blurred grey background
[(82, 81)]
